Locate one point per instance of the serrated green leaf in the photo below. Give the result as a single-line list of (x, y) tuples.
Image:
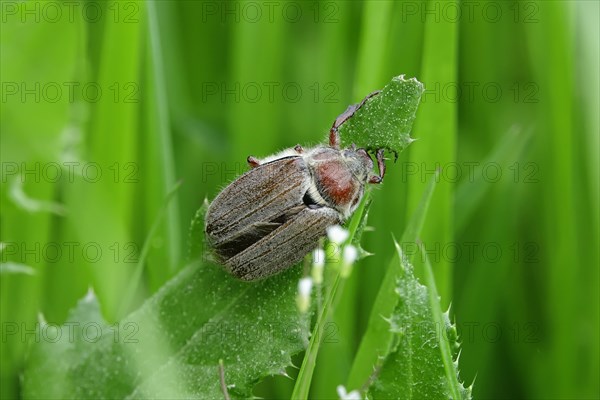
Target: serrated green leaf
[(171, 346), (421, 363), (385, 120)]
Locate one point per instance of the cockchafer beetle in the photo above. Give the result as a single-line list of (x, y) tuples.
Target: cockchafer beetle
[(269, 218)]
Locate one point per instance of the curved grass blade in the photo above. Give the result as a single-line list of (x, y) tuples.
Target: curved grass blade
[(377, 338)]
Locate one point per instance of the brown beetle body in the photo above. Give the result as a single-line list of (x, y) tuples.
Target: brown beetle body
[(273, 215)]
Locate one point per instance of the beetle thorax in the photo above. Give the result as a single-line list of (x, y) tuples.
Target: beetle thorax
[(339, 177)]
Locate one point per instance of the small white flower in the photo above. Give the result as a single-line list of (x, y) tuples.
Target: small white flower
[(317, 267), (90, 296), (344, 395), (305, 286), (337, 234), (303, 297), (349, 255), (318, 257)]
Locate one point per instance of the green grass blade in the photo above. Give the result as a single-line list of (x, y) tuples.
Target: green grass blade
[(376, 20), (164, 134), (112, 144), (33, 129), (136, 278), (305, 376), (553, 63), (436, 128), (469, 194), (376, 340), (256, 51)]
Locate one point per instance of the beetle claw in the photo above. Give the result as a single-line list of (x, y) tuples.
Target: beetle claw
[(376, 179)]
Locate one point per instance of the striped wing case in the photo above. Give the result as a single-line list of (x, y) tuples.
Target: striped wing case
[(261, 223)]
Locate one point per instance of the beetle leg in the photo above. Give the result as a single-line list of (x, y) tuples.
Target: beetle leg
[(334, 137), (380, 166), (367, 97), (298, 149), (253, 161)]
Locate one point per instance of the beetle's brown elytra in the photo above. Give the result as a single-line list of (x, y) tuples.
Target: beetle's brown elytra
[(269, 218)]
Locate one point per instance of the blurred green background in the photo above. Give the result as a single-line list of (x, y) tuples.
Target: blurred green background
[(107, 105)]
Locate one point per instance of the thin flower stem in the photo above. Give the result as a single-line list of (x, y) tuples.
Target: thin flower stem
[(302, 387)]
